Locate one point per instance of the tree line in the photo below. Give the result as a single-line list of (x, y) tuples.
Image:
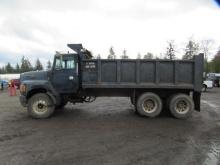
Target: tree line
[(191, 49), (24, 66)]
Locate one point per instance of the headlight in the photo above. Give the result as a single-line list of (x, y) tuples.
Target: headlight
[(23, 88)]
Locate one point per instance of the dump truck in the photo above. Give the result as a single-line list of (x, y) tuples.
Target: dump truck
[(152, 85)]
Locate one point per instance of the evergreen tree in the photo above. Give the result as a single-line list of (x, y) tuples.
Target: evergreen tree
[(17, 68), (124, 55), (2, 70), (38, 65), (139, 56), (25, 65), (111, 54), (98, 56), (148, 56), (9, 68), (216, 62), (191, 50), (170, 53), (49, 66)]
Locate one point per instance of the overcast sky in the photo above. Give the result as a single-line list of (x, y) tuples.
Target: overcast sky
[(37, 28)]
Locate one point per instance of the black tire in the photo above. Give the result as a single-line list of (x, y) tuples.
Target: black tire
[(40, 106), (181, 106), (149, 104), (204, 88)]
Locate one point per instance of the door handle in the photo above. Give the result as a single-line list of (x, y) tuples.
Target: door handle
[(71, 78)]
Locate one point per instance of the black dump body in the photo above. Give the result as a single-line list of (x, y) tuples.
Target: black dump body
[(135, 73)]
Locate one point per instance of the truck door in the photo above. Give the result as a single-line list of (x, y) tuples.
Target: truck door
[(65, 73)]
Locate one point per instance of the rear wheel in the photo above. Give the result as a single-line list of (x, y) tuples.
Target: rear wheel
[(40, 106), (181, 106), (149, 104)]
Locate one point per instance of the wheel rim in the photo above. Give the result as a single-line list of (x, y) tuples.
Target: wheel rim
[(182, 107), (149, 106), (40, 107)]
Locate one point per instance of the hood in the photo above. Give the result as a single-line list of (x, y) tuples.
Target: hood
[(34, 75)]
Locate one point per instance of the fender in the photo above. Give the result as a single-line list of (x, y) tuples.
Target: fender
[(55, 100), (36, 86)]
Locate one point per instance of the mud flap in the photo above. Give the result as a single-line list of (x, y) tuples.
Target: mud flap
[(56, 100), (196, 99)]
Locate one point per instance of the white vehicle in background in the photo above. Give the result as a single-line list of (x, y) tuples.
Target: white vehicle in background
[(215, 77), (9, 76), (207, 84)]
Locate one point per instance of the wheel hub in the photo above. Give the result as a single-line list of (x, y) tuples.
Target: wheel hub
[(182, 106), (149, 106), (40, 106)]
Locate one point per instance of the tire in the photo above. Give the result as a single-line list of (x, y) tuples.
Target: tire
[(181, 106), (149, 104), (204, 88), (40, 106)]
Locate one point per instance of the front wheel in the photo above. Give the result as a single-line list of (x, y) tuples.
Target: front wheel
[(40, 106), (149, 104), (181, 106)]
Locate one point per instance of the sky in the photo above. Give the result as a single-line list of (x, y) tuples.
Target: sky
[(38, 28)]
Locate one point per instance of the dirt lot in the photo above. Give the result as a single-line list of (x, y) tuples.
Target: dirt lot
[(107, 131)]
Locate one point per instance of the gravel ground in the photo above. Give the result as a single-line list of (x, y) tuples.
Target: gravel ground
[(108, 132)]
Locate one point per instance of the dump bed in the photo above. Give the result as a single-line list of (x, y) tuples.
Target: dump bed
[(135, 73)]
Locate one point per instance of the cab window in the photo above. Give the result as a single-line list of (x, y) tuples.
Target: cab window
[(64, 63)]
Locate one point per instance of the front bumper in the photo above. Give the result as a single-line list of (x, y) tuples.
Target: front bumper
[(23, 100)]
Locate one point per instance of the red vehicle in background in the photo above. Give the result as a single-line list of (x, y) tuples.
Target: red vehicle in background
[(16, 82)]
